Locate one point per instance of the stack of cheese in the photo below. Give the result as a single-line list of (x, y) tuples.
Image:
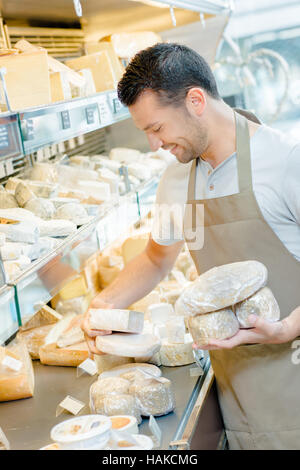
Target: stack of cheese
[(137, 388), (16, 373), (219, 301)]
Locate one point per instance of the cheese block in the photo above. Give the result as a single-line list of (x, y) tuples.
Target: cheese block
[(4, 443), (70, 356), (96, 189), (126, 321), (216, 325), (109, 386), (109, 267), (72, 333), (175, 329), (16, 378), (154, 396), (60, 87), (128, 345), (45, 316), (19, 214), (124, 155), (262, 303), (160, 312), (83, 161), (126, 45), (43, 171), (91, 48), (43, 246), (56, 228), (70, 176), (12, 183), (42, 189), (106, 362), (192, 274), (128, 368), (23, 194), (11, 251), (77, 305), (27, 232), (12, 271), (13, 267), (58, 329), (74, 212), (75, 288), (101, 67), (41, 208), (139, 170), (112, 405), (34, 339), (177, 354), (221, 287), (105, 162), (60, 201), (133, 246), (7, 200)]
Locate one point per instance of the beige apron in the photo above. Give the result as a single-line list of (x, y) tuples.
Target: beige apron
[(258, 385)]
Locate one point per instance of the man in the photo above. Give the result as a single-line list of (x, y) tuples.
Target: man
[(247, 178)]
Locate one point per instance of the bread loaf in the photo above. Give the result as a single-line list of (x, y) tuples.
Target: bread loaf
[(221, 287), (213, 326), (262, 303)]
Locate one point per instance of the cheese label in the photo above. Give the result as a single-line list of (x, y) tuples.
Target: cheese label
[(87, 367), (70, 405), (156, 432), (12, 363)]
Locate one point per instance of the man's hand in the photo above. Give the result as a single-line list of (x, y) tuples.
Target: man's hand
[(90, 334), (262, 332)]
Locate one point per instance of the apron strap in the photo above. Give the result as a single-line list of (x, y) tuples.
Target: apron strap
[(192, 181), (243, 153)]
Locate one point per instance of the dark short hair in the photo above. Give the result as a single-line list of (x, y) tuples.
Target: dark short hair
[(168, 69)]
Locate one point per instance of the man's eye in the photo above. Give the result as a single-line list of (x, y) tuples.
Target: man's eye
[(156, 130)]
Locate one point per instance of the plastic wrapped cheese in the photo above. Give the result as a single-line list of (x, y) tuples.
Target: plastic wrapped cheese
[(23, 194), (221, 287), (111, 405), (34, 339), (128, 345), (129, 368), (76, 305), (124, 155), (107, 362), (262, 303), (24, 232), (12, 183), (44, 172), (109, 386), (73, 212), (154, 396), (177, 354), (7, 200), (41, 208), (42, 189), (16, 373), (175, 329), (210, 326), (71, 334), (11, 251), (127, 321)]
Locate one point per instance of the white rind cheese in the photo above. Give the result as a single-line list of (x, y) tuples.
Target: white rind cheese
[(41, 208), (126, 321), (7, 200), (57, 228), (128, 345), (179, 354)]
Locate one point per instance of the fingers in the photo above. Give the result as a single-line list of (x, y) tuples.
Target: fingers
[(85, 326), (91, 346)]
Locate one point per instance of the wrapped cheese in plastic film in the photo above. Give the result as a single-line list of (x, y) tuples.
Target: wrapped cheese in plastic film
[(154, 395), (44, 172), (109, 386), (262, 303), (16, 373), (111, 405)]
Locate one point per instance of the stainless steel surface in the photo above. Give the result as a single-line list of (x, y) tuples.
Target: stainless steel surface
[(27, 423)]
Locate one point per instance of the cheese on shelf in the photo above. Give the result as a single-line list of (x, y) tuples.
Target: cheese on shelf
[(23, 194), (46, 172), (11, 251), (112, 405), (57, 228), (128, 368), (45, 316), (26, 232), (109, 386), (96, 189), (222, 286), (77, 305), (40, 207), (75, 288), (106, 362), (42, 189), (133, 246), (12, 183), (126, 321), (34, 339), (72, 333), (7, 200), (73, 212), (154, 396), (262, 303), (60, 87), (160, 312), (16, 373), (175, 329), (219, 325), (124, 155), (70, 356), (177, 354)]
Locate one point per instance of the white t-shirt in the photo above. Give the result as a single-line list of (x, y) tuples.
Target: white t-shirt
[(275, 163)]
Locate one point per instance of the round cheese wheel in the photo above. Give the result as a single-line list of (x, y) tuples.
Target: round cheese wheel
[(262, 303), (111, 405), (107, 386), (177, 354), (221, 287), (7, 201), (216, 325), (153, 396), (41, 208)]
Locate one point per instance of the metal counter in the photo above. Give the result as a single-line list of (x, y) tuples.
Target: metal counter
[(27, 423)]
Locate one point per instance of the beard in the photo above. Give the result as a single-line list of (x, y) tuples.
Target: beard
[(194, 143)]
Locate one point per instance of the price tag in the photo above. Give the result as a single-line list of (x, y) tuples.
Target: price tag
[(65, 119), (156, 432), (87, 367), (70, 405), (4, 137), (90, 114), (4, 443), (105, 113), (12, 363), (196, 371), (40, 155)]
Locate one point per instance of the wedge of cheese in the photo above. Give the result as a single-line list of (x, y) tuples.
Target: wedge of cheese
[(45, 316), (34, 339), (126, 321), (70, 356), (75, 288)]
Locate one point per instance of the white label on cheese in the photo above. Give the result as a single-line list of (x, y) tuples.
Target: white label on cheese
[(71, 405), (156, 432), (87, 367), (105, 113), (12, 363)]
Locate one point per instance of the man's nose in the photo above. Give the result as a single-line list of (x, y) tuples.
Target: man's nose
[(154, 142)]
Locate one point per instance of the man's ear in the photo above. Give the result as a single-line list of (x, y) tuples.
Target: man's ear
[(195, 101)]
